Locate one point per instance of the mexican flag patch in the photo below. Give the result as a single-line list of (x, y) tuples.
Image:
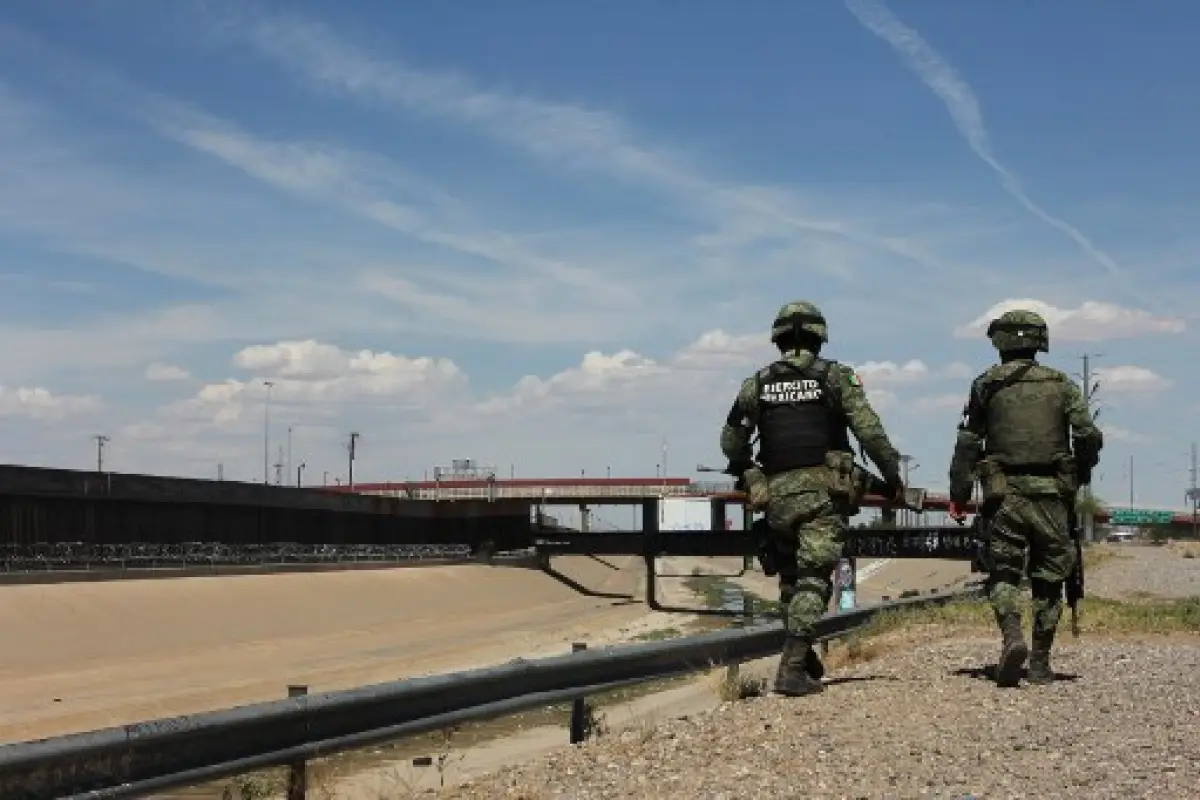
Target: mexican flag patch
[(854, 379)]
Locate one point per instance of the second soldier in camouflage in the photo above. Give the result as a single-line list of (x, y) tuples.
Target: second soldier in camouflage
[(1016, 435)]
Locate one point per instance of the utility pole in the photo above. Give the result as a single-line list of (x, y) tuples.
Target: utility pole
[(300, 475), (101, 440), (279, 468), (1131, 481), (1194, 495), (1089, 394), (267, 433), (352, 449)]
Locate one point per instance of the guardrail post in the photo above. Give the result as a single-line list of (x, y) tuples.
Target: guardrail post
[(578, 708), (297, 783)]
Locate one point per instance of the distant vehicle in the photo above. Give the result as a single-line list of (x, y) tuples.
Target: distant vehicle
[(1121, 535)]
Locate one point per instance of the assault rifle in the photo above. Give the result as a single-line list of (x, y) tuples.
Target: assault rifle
[(1074, 583)]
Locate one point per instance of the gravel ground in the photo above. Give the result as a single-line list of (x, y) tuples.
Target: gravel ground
[(918, 723), (1145, 570)]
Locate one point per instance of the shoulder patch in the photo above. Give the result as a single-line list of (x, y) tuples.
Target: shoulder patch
[(852, 376)]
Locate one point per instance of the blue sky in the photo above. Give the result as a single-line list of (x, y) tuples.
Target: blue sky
[(548, 236)]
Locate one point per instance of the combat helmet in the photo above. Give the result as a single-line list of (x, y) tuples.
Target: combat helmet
[(799, 315), (1019, 330)]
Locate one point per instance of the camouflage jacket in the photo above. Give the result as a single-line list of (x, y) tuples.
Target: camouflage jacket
[(846, 387), (970, 444)]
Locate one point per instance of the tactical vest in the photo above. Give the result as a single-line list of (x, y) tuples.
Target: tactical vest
[(798, 421), (1027, 427)]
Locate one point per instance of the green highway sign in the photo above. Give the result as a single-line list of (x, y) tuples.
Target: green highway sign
[(1140, 516)]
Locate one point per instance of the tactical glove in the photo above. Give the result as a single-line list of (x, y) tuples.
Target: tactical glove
[(757, 494)]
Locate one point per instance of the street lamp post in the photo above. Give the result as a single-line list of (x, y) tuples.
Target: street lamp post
[(101, 440), (300, 474), (267, 433)]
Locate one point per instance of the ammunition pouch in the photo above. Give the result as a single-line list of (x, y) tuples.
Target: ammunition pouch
[(847, 480), (1067, 473), (992, 482), (757, 489)]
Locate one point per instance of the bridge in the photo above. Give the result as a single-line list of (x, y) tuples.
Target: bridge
[(633, 491)]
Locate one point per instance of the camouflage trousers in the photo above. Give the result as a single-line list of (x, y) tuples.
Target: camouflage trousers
[(810, 529), (1033, 527)]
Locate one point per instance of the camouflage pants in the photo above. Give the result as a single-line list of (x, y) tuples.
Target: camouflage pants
[(1034, 526), (810, 528)]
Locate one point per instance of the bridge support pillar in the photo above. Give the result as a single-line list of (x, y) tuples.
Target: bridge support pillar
[(717, 506), (650, 540), (585, 518)]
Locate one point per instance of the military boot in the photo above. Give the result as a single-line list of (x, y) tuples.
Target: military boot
[(1039, 659), (1013, 652), (793, 678), (812, 661)]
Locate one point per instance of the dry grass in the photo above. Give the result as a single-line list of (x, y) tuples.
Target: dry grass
[(1096, 554), (897, 630), (731, 684), (1186, 549)]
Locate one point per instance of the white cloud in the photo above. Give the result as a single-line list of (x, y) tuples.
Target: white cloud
[(624, 389), (312, 372), (941, 402), (881, 399), (1091, 321), (944, 81), (716, 349), (889, 373), (161, 373), (957, 371), (38, 403), (1114, 433), (1131, 379)]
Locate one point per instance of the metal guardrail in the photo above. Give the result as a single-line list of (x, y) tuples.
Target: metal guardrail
[(133, 760)]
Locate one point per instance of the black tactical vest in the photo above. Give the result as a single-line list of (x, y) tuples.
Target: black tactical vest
[(1027, 427), (799, 421)]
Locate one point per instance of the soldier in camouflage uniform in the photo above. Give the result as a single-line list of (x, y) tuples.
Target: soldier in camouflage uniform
[(801, 406), (1018, 427)]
